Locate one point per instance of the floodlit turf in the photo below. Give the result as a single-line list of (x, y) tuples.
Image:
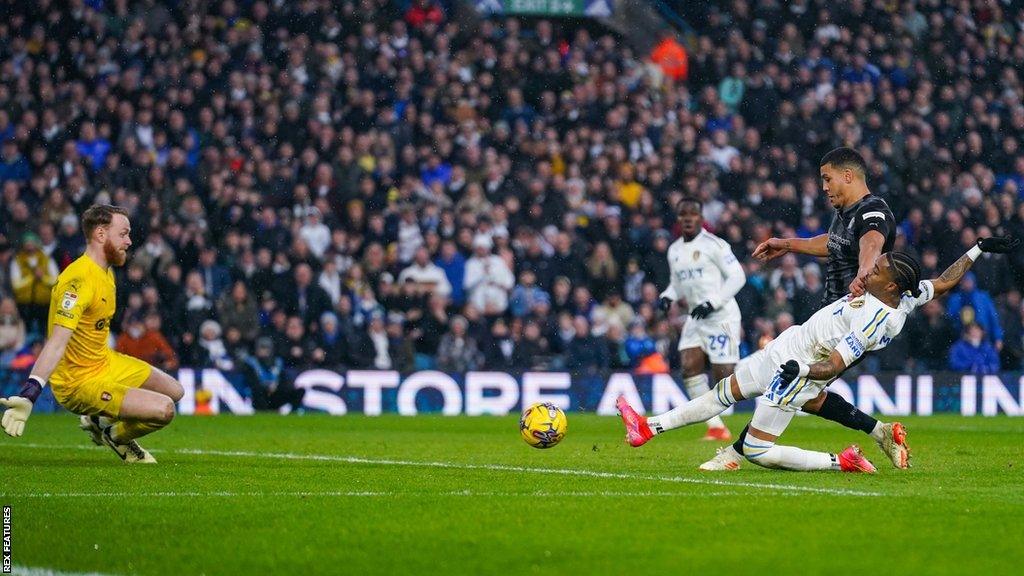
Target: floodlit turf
[(245, 495)]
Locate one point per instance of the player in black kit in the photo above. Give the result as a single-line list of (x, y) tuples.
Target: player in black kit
[(862, 228)]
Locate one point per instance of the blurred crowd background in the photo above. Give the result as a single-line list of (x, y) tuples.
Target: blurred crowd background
[(375, 184)]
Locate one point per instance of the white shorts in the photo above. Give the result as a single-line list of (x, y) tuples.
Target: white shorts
[(759, 373), (719, 339)]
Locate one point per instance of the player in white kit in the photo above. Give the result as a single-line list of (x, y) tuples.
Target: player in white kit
[(706, 274), (795, 367)]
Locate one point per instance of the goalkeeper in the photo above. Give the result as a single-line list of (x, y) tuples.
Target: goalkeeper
[(119, 398)]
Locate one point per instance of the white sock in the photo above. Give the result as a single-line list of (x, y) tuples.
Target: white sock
[(767, 454), (701, 408), (876, 432), (697, 386)]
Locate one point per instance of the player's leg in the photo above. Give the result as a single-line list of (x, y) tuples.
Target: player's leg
[(147, 408), (708, 405), (768, 423), (722, 346), (156, 381), (891, 437), (726, 392), (163, 383), (695, 382)]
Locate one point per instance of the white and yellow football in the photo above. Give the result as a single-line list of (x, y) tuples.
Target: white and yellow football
[(543, 425)]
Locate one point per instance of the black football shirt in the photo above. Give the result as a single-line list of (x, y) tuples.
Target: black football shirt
[(848, 225)]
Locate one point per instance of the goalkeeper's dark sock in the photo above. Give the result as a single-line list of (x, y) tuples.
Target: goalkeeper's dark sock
[(738, 444), (837, 409)]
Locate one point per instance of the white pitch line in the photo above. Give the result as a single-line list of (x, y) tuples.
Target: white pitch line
[(508, 468), (496, 468), (459, 493), (30, 571)]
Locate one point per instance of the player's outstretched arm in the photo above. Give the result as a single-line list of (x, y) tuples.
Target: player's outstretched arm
[(870, 249), (775, 247), (952, 275), (19, 407), (824, 370)]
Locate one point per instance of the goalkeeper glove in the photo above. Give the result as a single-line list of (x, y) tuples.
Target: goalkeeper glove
[(702, 311), (20, 407), (999, 244)]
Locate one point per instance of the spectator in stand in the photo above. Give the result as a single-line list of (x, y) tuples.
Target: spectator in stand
[(458, 351), (12, 332), (33, 274), (454, 266), (973, 353), (296, 349), (270, 386), (970, 305), (502, 351), (142, 339), (305, 299), (488, 279), (534, 351), (330, 350), (429, 277), (237, 309), (527, 295), (424, 12), (399, 346), (1011, 357), (586, 353), (209, 349)]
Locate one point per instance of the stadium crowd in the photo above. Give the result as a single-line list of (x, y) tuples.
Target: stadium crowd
[(368, 184)]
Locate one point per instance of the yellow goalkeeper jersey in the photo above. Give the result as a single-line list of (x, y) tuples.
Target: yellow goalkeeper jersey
[(83, 300)]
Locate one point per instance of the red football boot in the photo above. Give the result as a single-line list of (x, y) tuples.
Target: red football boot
[(853, 460), (637, 430), (717, 434)]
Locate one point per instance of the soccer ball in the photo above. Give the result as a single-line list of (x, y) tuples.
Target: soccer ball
[(543, 425)]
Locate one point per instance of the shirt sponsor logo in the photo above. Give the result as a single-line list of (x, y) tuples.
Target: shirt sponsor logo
[(855, 345), (690, 274)]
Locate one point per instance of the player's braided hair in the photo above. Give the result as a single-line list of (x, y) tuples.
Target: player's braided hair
[(906, 271)]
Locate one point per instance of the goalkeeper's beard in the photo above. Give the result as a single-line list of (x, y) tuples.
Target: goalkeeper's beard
[(114, 256)]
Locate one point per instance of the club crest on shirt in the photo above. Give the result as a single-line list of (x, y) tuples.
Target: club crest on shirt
[(857, 302), (696, 255), (105, 396), (68, 301)]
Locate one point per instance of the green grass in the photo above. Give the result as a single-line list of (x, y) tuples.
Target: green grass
[(959, 510)]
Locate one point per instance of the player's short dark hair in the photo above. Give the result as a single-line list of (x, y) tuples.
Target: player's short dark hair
[(100, 215), (690, 200), (845, 157), (906, 271)]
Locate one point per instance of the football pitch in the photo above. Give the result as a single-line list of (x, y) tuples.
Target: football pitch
[(428, 495)]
